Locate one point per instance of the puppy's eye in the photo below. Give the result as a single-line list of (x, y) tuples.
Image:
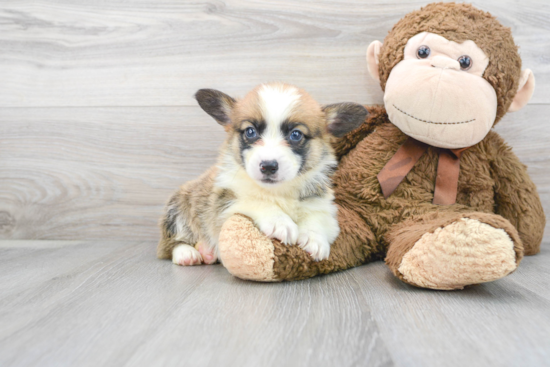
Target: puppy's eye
[(423, 52), (465, 62), (296, 135), (250, 133)]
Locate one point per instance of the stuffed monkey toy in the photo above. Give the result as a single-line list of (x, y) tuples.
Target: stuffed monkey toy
[(424, 182)]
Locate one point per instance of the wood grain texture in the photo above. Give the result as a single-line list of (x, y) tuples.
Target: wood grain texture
[(158, 53), (114, 304), (98, 173), (503, 323), (98, 127), (89, 173), (66, 303)]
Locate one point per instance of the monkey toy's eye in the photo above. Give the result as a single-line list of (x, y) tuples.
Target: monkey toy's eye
[(423, 52), (250, 133), (296, 136), (465, 62)]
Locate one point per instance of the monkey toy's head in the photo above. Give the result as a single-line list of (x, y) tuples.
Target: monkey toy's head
[(449, 73)]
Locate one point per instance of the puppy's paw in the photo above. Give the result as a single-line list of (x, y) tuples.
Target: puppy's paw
[(186, 255), (208, 254), (282, 228), (314, 244)]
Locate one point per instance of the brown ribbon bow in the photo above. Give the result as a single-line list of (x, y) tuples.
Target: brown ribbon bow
[(448, 167)]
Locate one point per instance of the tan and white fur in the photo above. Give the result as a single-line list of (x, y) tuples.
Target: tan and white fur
[(274, 167)]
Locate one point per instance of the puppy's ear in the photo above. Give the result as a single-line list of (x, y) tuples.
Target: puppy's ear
[(344, 117), (216, 104)]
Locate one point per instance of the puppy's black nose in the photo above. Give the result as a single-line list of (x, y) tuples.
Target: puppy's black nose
[(269, 167)]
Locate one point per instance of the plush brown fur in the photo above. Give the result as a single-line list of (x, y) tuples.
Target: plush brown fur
[(492, 180), (494, 189), (405, 235)]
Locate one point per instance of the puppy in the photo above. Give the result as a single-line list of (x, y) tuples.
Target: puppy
[(274, 167)]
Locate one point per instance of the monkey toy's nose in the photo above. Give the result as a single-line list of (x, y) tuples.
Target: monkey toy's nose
[(444, 62), (269, 167)]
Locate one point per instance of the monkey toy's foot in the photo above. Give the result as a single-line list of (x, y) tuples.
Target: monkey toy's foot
[(459, 252), (245, 251), (249, 254)]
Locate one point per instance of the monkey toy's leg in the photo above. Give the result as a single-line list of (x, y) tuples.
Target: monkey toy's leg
[(448, 250), (249, 254)]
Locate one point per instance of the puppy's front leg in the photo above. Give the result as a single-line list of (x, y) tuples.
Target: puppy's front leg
[(270, 219), (318, 229)]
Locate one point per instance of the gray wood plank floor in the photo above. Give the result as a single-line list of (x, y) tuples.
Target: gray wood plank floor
[(101, 303), (98, 126)]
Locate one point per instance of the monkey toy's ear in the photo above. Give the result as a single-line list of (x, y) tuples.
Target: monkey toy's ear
[(373, 52), (525, 91)]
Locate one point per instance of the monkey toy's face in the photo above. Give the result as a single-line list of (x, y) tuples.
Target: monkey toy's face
[(437, 93)]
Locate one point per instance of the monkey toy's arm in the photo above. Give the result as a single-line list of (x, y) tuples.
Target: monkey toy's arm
[(516, 197), (377, 116)]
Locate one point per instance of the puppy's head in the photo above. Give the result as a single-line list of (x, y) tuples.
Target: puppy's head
[(277, 131)]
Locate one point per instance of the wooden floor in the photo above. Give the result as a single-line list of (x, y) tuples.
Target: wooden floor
[(81, 303), (98, 126)]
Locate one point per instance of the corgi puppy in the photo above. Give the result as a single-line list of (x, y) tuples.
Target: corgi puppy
[(274, 167)]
